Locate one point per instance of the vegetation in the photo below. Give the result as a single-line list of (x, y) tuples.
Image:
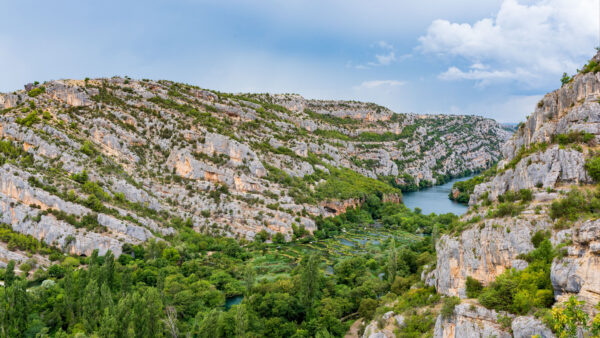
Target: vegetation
[(29, 120), (567, 318), (565, 79), (448, 306), (176, 286), (331, 119), (466, 188), (505, 209), (592, 166), (576, 204), (520, 292), (36, 91), (574, 137), (473, 287), (345, 184), (13, 152), (591, 67)]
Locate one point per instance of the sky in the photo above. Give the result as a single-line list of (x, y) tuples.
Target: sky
[(494, 58)]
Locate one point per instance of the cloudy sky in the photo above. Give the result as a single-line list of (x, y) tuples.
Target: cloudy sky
[(494, 58)]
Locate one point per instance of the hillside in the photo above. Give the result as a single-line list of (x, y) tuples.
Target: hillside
[(524, 259), (92, 164), (152, 208)]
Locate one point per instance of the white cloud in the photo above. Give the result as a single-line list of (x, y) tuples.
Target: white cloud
[(381, 83), (482, 76), (544, 37), (385, 59), (384, 45), (381, 59)]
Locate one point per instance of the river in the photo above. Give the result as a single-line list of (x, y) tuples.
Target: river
[(435, 199)]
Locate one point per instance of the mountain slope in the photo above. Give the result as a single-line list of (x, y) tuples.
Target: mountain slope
[(543, 196), (94, 163)]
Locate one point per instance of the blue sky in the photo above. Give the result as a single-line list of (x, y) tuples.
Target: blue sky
[(493, 58)]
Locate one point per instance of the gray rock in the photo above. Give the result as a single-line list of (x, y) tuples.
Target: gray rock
[(519, 264), (529, 326), (483, 251), (470, 321), (71, 95)]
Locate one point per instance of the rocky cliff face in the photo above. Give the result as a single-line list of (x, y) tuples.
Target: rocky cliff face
[(94, 164), (542, 158)]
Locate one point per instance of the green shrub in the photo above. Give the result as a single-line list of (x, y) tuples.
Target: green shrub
[(473, 287), (331, 134), (565, 79), (538, 237), (507, 209), (592, 166), (279, 238), (418, 325), (36, 91), (29, 120), (88, 148), (575, 205), (526, 195), (520, 291), (81, 177), (417, 298), (367, 308), (401, 285), (568, 317), (574, 137), (504, 321), (343, 183), (592, 67), (523, 195), (448, 305)]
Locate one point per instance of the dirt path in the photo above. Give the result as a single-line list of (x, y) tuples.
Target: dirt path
[(353, 332)]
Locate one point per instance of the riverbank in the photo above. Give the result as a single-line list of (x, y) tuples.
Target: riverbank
[(435, 199)]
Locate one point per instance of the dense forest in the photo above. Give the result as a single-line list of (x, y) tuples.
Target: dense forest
[(180, 286)]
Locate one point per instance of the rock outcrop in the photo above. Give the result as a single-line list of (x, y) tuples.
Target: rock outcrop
[(470, 320), (484, 251), (92, 164), (579, 272), (546, 156)]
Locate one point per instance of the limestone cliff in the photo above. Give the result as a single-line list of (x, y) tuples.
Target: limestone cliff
[(547, 156), (92, 164)]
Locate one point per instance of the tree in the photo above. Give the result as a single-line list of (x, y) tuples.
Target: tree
[(109, 269), (392, 262), (9, 275), (249, 277), (90, 305), (367, 308), (565, 79), (262, 236), (279, 238), (171, 255), (154, 305), (309, 282), (209, 325), (241, 320), (171, 321), (108, 325), (16, 309)]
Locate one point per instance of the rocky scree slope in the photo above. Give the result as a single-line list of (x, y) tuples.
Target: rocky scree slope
[(96, 163), (546, 158)]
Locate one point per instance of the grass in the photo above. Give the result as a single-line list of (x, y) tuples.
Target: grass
[(345, 184)]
